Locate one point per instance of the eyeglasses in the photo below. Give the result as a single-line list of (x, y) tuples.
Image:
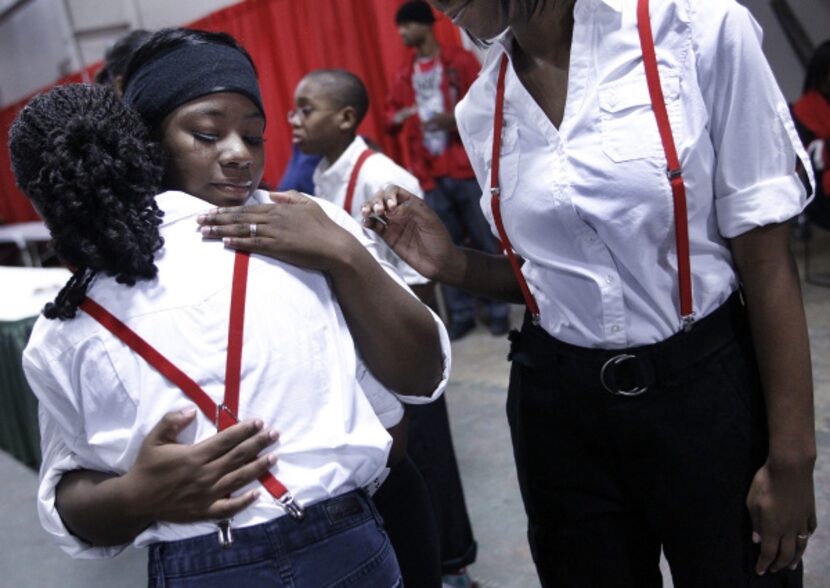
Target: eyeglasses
[(303, 112)]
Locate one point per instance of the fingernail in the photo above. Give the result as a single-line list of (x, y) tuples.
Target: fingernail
[(255, 494), (258, 424), (272, 459), (761, 572), (274, 435), (188, 412), (205, 231), (201, 218), (227, 241), (794, 567), (756, 538)]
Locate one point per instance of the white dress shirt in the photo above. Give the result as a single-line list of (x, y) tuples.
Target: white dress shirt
[(588, 205), (301, 374), (331, 180)]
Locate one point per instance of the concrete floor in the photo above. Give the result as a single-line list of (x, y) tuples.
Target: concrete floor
[(476, 400)]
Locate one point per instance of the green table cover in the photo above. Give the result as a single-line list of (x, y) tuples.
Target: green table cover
[(18, 407)]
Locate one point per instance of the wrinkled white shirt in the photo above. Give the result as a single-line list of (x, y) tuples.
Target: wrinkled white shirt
[(331, 182), (588, 205), (301, 374)]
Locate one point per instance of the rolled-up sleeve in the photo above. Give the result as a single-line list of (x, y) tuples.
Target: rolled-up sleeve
[(57, 460), (755, 141), (348, 223)]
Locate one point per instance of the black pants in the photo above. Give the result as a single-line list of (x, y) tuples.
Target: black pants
[(608, 480), (404, 504), (431, 449)]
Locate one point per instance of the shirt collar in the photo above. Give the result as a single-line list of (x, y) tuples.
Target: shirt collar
[(178, 206), (340, 170)]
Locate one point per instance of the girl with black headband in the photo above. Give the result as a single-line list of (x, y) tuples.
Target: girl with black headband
[(100, 391)]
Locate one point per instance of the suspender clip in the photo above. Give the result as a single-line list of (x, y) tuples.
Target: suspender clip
[(225, 534), (536, 319), (223, 408), (495, 191), (673, 174), (291, 506), (687, 322)]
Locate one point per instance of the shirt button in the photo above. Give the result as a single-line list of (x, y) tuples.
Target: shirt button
[(609, 279), (616, 328)]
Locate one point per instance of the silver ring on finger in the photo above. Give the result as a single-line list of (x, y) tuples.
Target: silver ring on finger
[(252, 229)]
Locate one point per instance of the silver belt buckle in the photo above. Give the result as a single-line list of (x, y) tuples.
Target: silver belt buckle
[(612, 364)]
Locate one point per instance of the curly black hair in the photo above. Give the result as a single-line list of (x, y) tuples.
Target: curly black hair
[(86, 162)]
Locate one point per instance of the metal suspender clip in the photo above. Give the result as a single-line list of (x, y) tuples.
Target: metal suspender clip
[(495, 191), (535, 318), (687, 322), (291, 506), (225, 534), (220, 408), (673, 174)]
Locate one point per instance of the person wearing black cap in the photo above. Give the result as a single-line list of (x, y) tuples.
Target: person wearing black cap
[(117, 57), (420, 106), (102, 380)]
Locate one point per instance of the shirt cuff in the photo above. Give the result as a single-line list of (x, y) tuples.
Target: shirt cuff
[(50, 476), (769, 202), (446, 360)]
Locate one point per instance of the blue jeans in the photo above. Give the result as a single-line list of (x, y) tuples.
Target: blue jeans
[(456, 202), (339, 543)]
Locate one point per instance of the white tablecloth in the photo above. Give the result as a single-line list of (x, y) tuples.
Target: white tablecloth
[(24, 290)]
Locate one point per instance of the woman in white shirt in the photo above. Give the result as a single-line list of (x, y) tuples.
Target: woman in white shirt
[(647, 409), (83, 158)]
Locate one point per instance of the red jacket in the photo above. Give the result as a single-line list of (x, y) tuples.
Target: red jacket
[(460, 68)]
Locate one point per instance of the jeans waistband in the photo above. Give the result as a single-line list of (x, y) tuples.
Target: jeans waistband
[(321, 520), (621, 370)]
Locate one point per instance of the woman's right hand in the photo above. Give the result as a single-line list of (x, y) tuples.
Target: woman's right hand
[(187, 483), (415, 233)]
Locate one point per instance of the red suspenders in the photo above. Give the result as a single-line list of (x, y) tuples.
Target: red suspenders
[(347, 205), (674, 173), (223, 415)]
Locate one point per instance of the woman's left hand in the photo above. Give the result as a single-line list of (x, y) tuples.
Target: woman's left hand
[(782, 506), (294, 229)]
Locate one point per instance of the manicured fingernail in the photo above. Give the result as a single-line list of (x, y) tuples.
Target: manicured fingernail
[(201, 218), (756, 538), (258, 424), (272, 459), (274, 435), (205, 231), (188, 412)]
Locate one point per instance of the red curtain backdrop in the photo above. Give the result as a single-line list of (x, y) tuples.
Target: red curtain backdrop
[(286, 39)]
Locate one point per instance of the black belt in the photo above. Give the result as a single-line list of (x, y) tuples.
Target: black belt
[(630, 372)]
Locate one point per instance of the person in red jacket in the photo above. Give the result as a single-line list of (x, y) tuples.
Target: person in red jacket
[(420, 105)]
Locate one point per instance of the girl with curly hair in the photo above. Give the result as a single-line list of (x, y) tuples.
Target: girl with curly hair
[(146, 285)]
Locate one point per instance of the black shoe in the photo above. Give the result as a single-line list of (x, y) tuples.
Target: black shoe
[(459, 329), (499, 326)]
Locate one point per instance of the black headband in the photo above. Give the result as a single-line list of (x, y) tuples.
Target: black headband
[(188, 72)]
